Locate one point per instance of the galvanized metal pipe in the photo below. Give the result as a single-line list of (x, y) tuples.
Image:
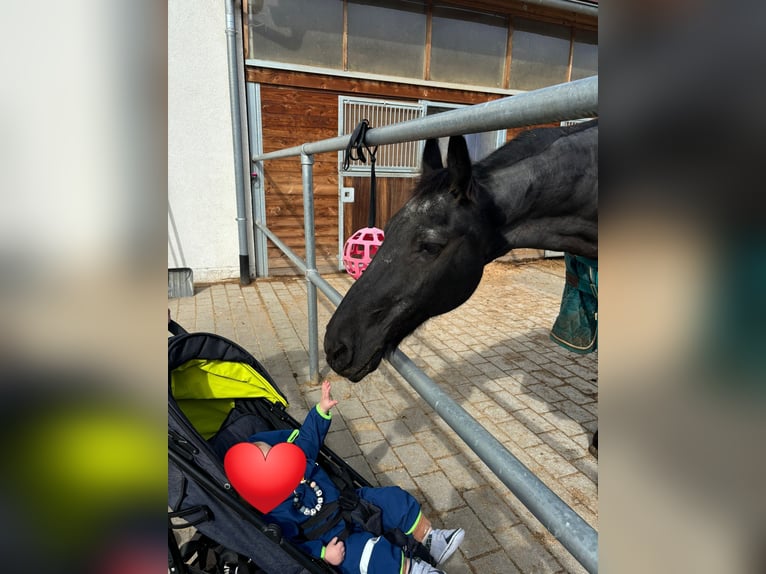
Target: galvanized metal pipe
[(236, 136), (312, 275), (257, 191), (564, 523), (568, 101), (307, 171), (291, 255)]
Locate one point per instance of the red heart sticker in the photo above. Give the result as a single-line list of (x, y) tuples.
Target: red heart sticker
[(265, 482)]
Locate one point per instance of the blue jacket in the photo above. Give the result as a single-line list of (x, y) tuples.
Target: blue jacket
[(309, 438)]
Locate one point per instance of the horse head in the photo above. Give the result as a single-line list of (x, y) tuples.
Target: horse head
[(430, 262)]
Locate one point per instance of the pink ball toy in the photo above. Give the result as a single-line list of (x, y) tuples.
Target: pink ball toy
[(359, 250)]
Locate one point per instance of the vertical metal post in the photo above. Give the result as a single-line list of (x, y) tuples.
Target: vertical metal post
[(307, 171), (257, 190)]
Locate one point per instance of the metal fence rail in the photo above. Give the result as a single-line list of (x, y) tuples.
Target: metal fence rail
[(568, 101)]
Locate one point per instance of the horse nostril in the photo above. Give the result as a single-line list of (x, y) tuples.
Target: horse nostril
[(339, 354)]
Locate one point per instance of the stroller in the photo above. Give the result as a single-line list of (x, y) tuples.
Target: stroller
[(218, 394)]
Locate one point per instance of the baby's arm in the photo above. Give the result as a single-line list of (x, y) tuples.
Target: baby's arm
[(314, 428)]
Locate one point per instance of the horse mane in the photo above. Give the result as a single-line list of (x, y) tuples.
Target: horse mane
[(433, 180), (528, 143)]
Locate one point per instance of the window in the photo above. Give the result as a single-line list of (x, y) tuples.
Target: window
[(306, 32), (387, 37), (539, 54), (394, 159), (584, 54), (480, 145), (468, 47), (419, 42)]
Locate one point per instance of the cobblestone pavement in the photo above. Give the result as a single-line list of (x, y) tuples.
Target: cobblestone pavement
[(492, 355)]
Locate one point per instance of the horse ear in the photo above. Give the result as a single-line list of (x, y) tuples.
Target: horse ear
[(459, 164), (432, 156)]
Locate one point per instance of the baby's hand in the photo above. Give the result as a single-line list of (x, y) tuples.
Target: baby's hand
[(327, 402), (335, 551)]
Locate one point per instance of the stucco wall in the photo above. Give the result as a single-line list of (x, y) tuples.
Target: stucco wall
[(202, 231)]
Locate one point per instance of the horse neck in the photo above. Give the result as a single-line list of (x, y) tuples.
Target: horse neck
[(547, 201)]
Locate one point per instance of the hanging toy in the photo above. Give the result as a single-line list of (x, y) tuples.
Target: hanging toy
[(361, 247)]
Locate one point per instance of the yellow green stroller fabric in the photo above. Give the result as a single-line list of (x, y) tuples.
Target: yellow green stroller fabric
[(205, 391)]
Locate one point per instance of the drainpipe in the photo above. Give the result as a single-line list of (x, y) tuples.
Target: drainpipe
[(236, 133)]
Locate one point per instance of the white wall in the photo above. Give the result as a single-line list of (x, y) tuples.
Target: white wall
[(202, 230)]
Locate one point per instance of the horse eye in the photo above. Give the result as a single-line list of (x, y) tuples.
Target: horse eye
[(431, 248)]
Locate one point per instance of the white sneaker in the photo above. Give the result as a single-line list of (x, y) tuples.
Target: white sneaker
[(441, 544), (417, 566)]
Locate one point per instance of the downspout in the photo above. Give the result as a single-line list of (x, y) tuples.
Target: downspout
[(236, 134)]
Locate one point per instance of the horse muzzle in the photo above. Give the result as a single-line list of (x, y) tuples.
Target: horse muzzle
[(342, 357)]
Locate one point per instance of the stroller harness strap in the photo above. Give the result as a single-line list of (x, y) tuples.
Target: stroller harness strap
[(350, 508)]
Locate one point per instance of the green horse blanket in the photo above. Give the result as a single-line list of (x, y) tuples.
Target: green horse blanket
[(576, 327)]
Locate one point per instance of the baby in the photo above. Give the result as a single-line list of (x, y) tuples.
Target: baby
[(361, 551)]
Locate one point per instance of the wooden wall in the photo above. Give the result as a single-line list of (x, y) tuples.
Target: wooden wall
[(291, 117), (299, 107)]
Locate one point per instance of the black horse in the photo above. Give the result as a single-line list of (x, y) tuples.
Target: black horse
[(540, 191)]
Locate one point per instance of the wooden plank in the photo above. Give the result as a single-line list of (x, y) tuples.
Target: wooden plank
[(529, 11), (290, 118), (366, 88)]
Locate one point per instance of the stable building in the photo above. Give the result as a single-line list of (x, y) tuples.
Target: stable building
[(312, 70)]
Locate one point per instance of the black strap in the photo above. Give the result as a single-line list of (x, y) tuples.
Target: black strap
[(330, 515), (355, 145), (322, 522), (175, 328)]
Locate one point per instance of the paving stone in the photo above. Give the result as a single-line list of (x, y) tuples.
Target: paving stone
[(564, 445), (563, 422), (438, 491), (343, 443), (352, 408), (556, 464), (526, 551), (583, 490), (380, 456), (364, 431), (495, 563), (588, 466), (520, 434), (415, 418), (587, 388), (478, 539), (415, 459), (536, 402), (460, 474), (396, 432), (575, 395), (359, 464), (401, 478), (547, 393), (435, 443), (380, 410), (491, 509), (533, 421)]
